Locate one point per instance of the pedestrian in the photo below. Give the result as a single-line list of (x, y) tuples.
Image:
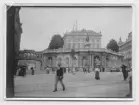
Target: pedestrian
[(59, 77), (23, 71), (32, 70), (18, 71), (103, 69), (97, 70), (66, 69), (47, 69), (124, 71), (85, 70), (129, 80)]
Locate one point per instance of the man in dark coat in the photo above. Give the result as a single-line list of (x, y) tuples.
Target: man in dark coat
[(124, 71), (32, 70), (59, 77)]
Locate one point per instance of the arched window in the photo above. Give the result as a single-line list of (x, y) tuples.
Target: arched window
[(67, 61), (96, 60), (50, 61), (59, 60), (84, 61)]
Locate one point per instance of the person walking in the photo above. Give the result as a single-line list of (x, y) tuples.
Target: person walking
[(32, 70), (59, 77), (47, 70), (103, 69), (97, 70)]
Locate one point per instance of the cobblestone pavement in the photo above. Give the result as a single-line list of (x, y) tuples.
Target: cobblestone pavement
[(78, 85)]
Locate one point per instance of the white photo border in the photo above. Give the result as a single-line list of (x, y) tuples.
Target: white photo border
[(77, 4)]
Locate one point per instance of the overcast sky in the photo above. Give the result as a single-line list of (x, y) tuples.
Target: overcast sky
[(40, 24)]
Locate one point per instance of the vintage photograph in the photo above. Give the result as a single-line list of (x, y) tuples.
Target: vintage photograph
[(69, 52)]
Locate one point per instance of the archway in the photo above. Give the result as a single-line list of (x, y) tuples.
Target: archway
[(50, 60), (59, 60), (84, 61), (97, 61)]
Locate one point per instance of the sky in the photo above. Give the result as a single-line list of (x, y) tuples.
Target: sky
[(40, 24)]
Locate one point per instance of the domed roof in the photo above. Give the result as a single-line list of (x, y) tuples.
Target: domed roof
[(120, 42)]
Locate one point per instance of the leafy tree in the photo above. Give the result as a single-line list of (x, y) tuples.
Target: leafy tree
[(112, 45), (56, 42)]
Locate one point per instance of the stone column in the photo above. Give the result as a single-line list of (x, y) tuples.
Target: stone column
[(78, 60), (54, 61), (92, 61)]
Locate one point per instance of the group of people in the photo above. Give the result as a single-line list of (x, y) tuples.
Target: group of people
[(60, 73), (59, 76), (21, 71)]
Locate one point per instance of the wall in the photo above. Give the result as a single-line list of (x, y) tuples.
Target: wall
[(37, 64), (84, 59)]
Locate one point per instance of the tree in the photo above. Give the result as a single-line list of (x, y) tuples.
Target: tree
[(112, 45), (56, 42)]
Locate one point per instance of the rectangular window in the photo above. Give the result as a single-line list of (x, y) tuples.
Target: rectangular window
[(82, 45), (68, 45), (78, 45), (94, 45), (97, 45)]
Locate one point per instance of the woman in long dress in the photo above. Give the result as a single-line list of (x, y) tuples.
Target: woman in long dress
[(97, 70)]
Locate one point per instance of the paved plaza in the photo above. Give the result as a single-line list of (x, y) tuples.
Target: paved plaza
[(111, 84)]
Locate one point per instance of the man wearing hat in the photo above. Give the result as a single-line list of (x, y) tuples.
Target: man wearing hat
[(59, 77)]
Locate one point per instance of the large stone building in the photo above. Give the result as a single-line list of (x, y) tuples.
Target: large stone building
[(88, 52), (126, 50), (78, 39)]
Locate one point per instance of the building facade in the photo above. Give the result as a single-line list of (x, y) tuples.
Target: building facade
[(88, 52), (30, 57), (126, 50), (78, 39)]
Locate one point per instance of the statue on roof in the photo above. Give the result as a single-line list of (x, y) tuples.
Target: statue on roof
[(120, 41)]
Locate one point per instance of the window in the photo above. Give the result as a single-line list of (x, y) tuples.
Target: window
[(68, 45), (97, 45), (81, 45), (94, 45), (78, 45)]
